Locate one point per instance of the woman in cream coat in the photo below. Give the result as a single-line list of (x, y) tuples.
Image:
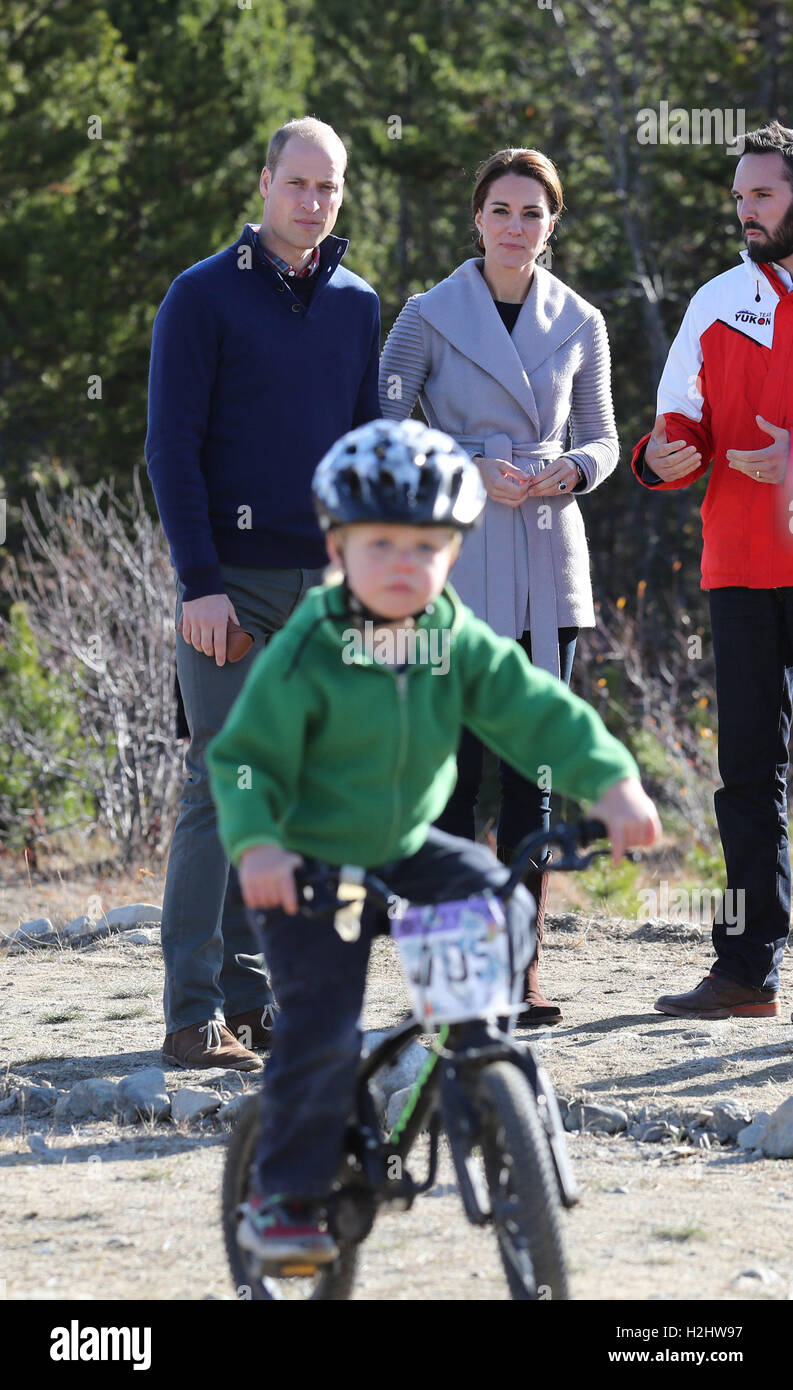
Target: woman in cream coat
[(513, 364)]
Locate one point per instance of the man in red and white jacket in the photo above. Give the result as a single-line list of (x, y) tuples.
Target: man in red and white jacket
[(726, 399)]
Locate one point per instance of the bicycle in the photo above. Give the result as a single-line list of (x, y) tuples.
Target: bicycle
[(488, 1093)]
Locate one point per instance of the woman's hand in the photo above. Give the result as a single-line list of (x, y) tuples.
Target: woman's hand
[(266, 875), (503, 481), (629, 816), (546, 483)]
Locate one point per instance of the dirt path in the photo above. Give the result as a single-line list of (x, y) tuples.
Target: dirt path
[(124, 1213)]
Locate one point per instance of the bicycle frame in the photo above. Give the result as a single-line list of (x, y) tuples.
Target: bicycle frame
[(441, 1093)]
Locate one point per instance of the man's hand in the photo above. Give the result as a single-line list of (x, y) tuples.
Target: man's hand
[(767, 465), (204, 624), (503, 481), (266, 875), (629, 815), (673, 460)]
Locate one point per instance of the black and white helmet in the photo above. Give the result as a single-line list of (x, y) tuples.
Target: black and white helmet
[(403, 473)]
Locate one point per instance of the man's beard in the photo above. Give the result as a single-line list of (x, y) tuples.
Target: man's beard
[(777, 247)]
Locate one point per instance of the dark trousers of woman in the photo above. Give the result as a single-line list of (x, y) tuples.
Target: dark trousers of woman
[(523, 806)]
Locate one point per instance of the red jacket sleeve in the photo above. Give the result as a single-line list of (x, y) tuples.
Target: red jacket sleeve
[(683, 402)]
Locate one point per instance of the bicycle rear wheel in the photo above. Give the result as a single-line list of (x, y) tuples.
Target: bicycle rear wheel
[(524, 1195), (329, 1282)]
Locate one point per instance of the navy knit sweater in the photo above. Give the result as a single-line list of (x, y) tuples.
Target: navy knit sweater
[(248, 387)]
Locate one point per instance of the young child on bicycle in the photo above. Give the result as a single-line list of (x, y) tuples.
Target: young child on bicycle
[(335, 752)]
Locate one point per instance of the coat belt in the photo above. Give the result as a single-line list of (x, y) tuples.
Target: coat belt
[(543, 616)]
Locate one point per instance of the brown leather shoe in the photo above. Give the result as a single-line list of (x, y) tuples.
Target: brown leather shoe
[(719, 997), (254, 1028), (208, 1045)]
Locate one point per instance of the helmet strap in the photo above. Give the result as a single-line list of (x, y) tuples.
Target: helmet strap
[(354, 608)]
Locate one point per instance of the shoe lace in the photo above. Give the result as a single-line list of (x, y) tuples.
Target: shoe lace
[(213, 1034)]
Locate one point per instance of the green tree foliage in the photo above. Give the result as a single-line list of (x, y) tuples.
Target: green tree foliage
[(94, 229), (37, 712)]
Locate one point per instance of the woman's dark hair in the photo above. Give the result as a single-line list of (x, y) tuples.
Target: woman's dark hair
[(531, 164)]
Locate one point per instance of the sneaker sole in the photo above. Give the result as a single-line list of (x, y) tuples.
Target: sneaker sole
[(209, 1066), (770, 1010), (271, 1254)]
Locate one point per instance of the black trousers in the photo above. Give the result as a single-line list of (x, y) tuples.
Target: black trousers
[(523, 806), (753, 649)]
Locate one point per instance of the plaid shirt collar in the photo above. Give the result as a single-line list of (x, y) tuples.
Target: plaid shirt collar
[(283, 266)]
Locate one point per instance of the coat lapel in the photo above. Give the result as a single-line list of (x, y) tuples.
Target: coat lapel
[(461, 308), (550, 315)]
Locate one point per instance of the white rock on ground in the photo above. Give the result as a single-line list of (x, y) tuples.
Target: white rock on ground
[(224, 1079), (750, 1137), (188, 1105), (133, 915), (31, 1100), (728, 1119), (39, 926), (766, 1276), (143, 1096), (397, 1077), (777, 1137), (654, 1131), (92, 1099), (602, 1119), (139, 938), (231, 1110)]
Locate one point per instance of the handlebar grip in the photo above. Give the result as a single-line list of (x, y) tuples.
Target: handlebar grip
[(590, 830)]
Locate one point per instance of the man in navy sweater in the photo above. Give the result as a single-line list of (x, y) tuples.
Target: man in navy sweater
[(262, 356)]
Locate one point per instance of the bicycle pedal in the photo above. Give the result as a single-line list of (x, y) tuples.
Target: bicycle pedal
[(292, 1270)]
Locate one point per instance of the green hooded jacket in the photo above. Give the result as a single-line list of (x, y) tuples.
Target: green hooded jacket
[(330, 752)]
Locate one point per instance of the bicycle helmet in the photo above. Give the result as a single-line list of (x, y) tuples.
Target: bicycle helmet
[(402, 473)]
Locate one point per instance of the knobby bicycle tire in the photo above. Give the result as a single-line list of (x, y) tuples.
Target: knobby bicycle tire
[(522, 1184), (335, 1282)]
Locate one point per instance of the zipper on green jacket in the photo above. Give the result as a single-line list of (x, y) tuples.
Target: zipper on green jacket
[(401, 686)]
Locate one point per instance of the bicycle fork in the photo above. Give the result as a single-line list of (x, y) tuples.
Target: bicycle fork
[(462, 1121)]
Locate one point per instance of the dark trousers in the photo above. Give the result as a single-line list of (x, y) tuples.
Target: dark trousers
[(212, 967), (523, 806), (318, 981), (753, 649)]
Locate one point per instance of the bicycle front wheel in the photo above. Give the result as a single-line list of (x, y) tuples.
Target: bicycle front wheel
[(328, 1282), (524, 1195)]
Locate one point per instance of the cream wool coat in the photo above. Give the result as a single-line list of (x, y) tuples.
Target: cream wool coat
[(513, 397)]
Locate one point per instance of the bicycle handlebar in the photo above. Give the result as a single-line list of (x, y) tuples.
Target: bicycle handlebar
[(319, 884)]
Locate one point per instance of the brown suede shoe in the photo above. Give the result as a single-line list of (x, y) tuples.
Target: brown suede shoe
[(254, 1028), (718, 997), (208, 1045)]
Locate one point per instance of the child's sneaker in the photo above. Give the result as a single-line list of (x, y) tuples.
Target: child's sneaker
[(278, 1231)]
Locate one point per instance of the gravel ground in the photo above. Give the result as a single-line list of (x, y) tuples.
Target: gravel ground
[(132, 1213)]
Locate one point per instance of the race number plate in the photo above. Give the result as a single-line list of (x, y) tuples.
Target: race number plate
[(456, 959)]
